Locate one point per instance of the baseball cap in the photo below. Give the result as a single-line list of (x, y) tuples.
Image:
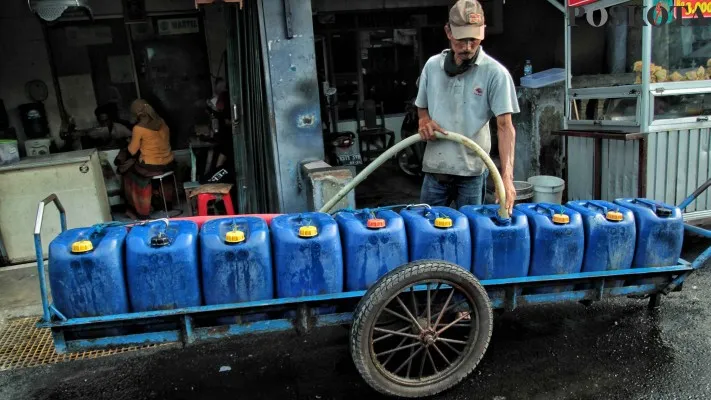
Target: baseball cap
[(466, 20)]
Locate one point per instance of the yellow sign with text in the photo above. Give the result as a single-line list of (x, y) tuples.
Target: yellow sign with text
[(691, 8)]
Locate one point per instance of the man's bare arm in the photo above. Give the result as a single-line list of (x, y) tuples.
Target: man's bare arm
[(507, 147)]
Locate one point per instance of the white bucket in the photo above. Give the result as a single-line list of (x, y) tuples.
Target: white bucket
[(547, 189)]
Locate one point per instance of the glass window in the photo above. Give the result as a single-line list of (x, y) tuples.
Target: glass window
[(604, 109), (681, 53), (604, 55), (682, 106)]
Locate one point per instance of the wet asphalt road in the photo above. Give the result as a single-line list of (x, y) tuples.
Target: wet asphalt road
[(615, 349)]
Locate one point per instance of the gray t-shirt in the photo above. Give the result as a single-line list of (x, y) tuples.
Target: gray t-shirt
[(464, 104)]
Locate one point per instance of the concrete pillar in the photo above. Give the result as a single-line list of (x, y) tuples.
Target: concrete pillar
[(292, 95)]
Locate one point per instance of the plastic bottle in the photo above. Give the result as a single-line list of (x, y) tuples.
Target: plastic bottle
[(528, 68)]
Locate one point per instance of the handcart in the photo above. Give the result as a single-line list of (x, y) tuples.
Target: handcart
[(419, 330)]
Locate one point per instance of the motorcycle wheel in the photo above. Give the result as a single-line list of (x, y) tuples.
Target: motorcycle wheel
[(405, 160)]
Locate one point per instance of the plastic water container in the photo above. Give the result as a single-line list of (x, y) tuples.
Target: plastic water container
[(543, 78), (557, 241), (162, 266), (500, 248), (236, 260), (373, 244), (307, 255), (438, 233), (547, 189), (86, 272), (610, 236), (660, 232)]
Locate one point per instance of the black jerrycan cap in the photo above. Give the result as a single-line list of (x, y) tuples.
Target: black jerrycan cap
[(160, 240), (664, 212)]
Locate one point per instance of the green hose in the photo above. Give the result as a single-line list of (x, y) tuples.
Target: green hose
[(392, 152)]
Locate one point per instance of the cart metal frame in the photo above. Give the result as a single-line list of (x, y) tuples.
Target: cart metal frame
[(305, 313)]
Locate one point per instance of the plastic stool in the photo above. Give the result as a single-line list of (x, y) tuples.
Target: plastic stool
[(162, 191), (204, 198)]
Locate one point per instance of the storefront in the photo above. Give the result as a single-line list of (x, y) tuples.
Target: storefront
[(642, 124)]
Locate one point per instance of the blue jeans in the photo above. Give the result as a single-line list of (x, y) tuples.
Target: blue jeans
[(442, 190)]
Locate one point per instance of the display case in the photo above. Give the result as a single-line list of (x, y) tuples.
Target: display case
[(638, 101), (654, 73)]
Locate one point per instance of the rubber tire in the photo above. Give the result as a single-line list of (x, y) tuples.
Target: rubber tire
[(394, 282)]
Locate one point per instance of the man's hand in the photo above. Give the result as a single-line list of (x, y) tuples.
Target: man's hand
[(510, 190), (427, 129)]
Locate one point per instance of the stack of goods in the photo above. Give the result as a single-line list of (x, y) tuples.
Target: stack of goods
[(659, 74)]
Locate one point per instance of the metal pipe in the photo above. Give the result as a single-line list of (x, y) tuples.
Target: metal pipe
[(133, 60), (694, 195), (557, 5), (646, 60), (391, 152), (697, 230), (52, 198), (568, 66), (701, 260)]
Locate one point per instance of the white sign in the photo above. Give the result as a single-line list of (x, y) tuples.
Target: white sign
[(88, 35), (178, 26)]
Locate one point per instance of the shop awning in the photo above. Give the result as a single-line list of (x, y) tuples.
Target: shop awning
[(200, 2)]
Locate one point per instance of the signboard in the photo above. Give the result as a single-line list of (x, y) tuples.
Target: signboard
[(178, 26), (577, 3), (79, 36), (689, 8), (350, 159)]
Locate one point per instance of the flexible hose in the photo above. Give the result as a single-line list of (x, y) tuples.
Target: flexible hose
[(391, 152)]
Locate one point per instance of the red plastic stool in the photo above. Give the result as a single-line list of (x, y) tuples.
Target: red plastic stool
[(204, 198)]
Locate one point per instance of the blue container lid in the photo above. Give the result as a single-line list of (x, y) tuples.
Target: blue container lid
[(85, 240), (305, 225), (163, 233), (491, 211), (660, 209), (374, 219), (608, 210), (233, 230)]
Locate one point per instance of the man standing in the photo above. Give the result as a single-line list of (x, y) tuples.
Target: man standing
[(460, 90)]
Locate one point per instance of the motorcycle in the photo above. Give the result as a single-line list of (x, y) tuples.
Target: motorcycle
[(340, 147), (409, 160)]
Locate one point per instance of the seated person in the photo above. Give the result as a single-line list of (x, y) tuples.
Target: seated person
[(148, 155), (111, 132)]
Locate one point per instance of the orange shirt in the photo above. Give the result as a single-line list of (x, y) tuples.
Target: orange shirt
[(154, 145)]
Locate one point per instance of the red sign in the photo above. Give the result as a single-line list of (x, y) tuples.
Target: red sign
[(577, 3), (689, 8)]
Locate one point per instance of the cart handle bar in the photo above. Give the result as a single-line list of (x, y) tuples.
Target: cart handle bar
[(391, 152), (694, 195), (52, 198)]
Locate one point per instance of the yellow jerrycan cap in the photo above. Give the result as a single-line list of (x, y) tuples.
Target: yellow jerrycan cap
[(308, 231), (443, 222), (561, 219), (234, 236), (375, 223), (614, 216), (82, 246)]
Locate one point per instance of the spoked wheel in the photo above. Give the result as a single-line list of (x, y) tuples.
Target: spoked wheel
[(405, 160), (421, 329)]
